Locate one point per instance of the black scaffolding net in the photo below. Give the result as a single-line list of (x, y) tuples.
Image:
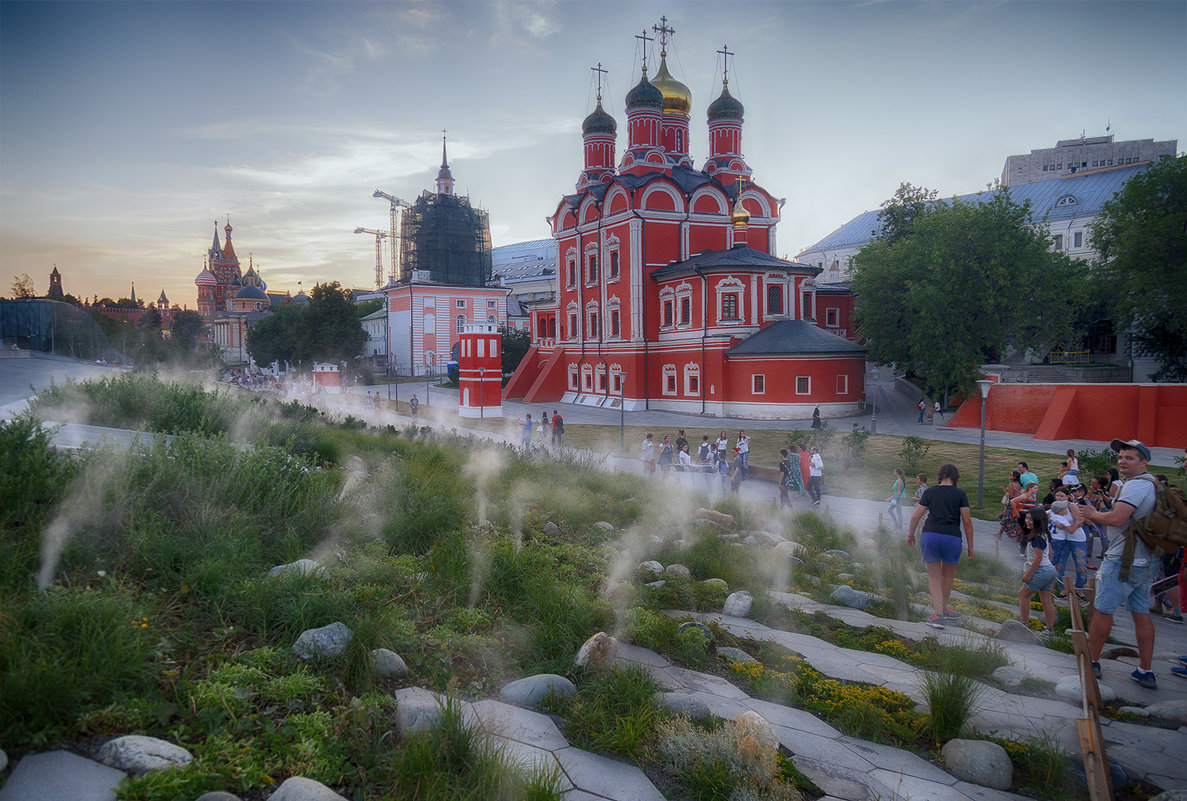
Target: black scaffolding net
[(445, 240)]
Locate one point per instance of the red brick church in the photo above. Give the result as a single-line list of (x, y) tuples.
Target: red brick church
[(670, 295)]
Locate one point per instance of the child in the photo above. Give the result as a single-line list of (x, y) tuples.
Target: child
[(1073, 465), (1060, 527), (1039, 575), (921, 480), (723, 470)]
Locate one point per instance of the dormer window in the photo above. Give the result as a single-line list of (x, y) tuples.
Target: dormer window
[(1066, 200)]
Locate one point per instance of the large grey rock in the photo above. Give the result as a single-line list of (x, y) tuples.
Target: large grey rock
[(551, 529), (750, 539), (326, 641), (656, 585), (61, 775), (788, 548), (736, 655), (651, 566), (301, 789), (301, 567), (766, 538), (713, 516), (979, 762), (716, 582), (387, 664), (1174, 711), (738, 604), (218, 795), (604, 526), (1069, 687), (136, 753), (847, 596), (684, 704), (417, 710), (598, 652), (836, 553), (531, 690), (1014, 631), (678, 571), (1171, 795)]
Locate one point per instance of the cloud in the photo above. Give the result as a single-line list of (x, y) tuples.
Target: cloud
[(511, 19)]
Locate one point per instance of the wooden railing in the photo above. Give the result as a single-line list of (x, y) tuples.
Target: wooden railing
[(1092, 739)]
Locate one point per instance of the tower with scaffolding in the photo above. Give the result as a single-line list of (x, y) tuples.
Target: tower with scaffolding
[(442, 238)]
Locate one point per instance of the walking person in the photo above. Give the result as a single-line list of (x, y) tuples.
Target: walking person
[(647, 454), (722, 445), (805, 468), (525, 437), (1039, 574), (1134, 501), (816, 417), (948, 511), (785, 468), (706, 451), (898, 494), (666, 455), (795, 471), (938, 411), (413, 406), (558, 429), (743, 449), (1009, 519), (815, 475), (922, 407)]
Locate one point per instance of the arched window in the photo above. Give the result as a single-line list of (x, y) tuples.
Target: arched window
[(461, 323)]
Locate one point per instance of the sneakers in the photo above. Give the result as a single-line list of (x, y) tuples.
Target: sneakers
[(1096, 669), (1181, 672), (1145, 678), (951, 614), (937, 620), (1183, 659), (1175, 617)]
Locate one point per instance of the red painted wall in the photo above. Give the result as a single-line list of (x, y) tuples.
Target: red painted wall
[(1154, 413)]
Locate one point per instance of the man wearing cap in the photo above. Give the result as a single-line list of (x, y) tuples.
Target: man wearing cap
[(1136, 500)]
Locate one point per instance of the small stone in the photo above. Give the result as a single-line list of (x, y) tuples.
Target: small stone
[(788, 548), (656, 585), (1174, 711), (301, 567), (716, 582), (417, 710), (326, 641), (756, 722), (1069, 687), (847, 596), (1015, 631), (678, 571), (387, 664), (979, 762), (138, 754), (737, 655), (651, 566), (598, 652), (845, 576), (713, 516), (217, 795), (694, 624), (531, 690), (297, 788), (604, 526), (551, 529), (766, 538), (750, 540), (738, 604), (837, 553), (684, 704)]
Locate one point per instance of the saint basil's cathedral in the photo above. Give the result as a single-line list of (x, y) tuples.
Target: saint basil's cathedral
[(669, 293)]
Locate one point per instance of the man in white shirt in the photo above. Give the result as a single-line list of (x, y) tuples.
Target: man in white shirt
[(815, 476), (1136, 500)]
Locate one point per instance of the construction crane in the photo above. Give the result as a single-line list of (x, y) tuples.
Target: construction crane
[(396, 220), (379, 235)]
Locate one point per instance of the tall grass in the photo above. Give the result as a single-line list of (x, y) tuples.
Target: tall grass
[(613, 712), (951, 701)]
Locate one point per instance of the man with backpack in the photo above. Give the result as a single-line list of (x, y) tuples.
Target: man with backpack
[(1126, 571), (558, 429)]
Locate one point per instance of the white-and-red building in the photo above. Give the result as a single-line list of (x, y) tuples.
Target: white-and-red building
[(669, 292)]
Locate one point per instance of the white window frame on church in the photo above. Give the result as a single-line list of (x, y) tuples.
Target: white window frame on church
[(667, 385), (683, 308), (832, 317), (572, 316), (573, 377), (781, 287), (758, 384), (803, 385), (667, 307), (613, 259), (600, 379), (616, 379), (586, 378), (571, 268), (460, 303), (730, 286), (592, 321), (692, 379), (842, 384), (613, 314)]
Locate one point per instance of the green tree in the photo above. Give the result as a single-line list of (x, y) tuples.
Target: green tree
[(514, 344), (1141, 236), (22, 287), (962, 283), (899, 213), (368, 306), (187, 328), (277, 337), (332, 329)]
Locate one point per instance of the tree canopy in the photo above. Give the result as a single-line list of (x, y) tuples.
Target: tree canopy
[(959, 284), (514, 345), (328, 329), (1141, 236), (899, 213)]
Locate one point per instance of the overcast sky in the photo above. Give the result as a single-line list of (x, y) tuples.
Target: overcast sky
[(127, 128)]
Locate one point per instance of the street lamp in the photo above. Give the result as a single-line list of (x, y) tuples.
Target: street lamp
[(984, 384), (622, 411), (874, 417)]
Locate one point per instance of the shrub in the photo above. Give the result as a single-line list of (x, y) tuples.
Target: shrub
[(912, 454), (728, 762), (951, 701), (613, 711), (853, 446), (816, 437), (1095, 463)]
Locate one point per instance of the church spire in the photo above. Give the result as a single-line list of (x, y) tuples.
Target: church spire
[(444, 176)]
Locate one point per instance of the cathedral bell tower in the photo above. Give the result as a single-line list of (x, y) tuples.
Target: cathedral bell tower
[(598, 134)]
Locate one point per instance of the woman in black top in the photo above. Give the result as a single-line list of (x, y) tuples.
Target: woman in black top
[(948, 511)]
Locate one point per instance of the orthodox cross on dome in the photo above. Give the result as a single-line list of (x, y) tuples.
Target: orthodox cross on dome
[(725, 69), (645, 39), (600, 72), (444, 161), (664, 31)]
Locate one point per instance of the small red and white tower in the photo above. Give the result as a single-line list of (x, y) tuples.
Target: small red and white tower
[(480, 371)]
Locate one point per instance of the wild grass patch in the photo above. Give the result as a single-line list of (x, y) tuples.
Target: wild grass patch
[(613, 712)]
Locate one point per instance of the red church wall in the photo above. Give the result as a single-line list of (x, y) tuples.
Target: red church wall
[(1154, 413)]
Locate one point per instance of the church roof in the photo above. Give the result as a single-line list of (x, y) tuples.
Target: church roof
[(736, 258), (251, 293), (1079, 195), (793, 338), (205, 278)]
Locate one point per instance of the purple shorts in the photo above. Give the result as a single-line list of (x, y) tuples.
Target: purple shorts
[(941, 548)]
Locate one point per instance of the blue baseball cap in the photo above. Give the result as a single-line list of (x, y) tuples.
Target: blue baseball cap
[(1117, 444)]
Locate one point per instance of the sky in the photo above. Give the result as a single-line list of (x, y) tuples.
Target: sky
[(127, 128)]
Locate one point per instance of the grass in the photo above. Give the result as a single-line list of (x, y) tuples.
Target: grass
[(724, 761), (951, 701), (614, 712)]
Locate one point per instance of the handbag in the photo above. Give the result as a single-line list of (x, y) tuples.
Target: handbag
[(1005, 498)]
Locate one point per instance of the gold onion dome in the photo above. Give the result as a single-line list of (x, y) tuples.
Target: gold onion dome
[(725, 107), (599, 122), (644, 94), (677, 97), (740, 216)]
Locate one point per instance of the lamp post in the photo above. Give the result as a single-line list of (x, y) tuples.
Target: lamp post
[(622, 411), (874, 417), (984, 384), (481, 393)]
